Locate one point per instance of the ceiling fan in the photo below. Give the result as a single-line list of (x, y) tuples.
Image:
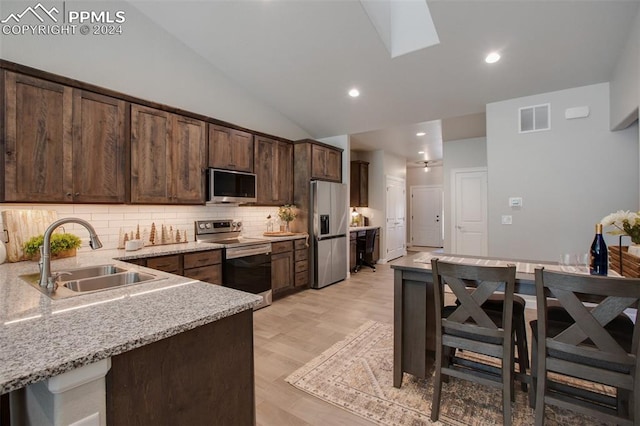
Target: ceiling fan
[(429, 163)]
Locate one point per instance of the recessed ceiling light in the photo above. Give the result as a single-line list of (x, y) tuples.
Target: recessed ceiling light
[(354, 93), (420, 134), (420, 152), (492, 58)]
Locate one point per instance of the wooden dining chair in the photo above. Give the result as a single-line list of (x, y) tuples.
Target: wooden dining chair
[(592, 342), (470, 328)]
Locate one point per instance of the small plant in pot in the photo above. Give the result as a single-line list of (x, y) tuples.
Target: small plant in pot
[(62, 245)]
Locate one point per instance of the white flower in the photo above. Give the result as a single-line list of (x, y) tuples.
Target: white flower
[(619, 219)]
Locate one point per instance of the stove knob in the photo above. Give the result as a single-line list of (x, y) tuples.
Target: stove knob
[(201, 225), (238, 225), (208, 225)]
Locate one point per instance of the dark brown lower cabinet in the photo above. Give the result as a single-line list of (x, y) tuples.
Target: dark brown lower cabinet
[(203, 376)]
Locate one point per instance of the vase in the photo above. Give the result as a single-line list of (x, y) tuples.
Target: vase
[(634, 249), (286, 227)]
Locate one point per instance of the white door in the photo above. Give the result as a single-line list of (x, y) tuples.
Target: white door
[(469, 211), (396, 218), (426, 216)]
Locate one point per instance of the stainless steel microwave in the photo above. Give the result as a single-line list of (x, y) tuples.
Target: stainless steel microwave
[(226, 186)]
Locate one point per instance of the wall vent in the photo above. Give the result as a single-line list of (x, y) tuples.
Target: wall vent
[(534, 118)]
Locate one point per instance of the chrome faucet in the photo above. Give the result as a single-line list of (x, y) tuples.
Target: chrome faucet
[(46, 280)]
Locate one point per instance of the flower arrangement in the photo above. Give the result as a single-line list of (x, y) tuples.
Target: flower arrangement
[(286, 213), (625, 223)]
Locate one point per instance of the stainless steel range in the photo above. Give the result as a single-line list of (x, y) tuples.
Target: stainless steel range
[(247, 261)]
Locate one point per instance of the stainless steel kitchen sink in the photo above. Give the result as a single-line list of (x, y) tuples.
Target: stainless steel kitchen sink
[(74, 282), (91, 272), (107, 281)]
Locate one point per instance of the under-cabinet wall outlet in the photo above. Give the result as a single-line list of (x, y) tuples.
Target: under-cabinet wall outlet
[(507, 219)]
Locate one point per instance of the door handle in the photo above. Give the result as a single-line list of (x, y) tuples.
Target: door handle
[(459, 227)]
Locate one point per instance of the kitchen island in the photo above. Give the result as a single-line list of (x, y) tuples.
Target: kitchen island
[(414, 307), (168, 351)]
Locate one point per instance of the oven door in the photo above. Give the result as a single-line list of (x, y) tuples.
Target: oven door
[(249, 273)]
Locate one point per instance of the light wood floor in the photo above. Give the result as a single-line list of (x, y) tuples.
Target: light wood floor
[(296, 329)]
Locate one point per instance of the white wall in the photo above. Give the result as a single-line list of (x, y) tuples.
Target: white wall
[(569, 177), (146, 62), (625, 83), (459, 154)]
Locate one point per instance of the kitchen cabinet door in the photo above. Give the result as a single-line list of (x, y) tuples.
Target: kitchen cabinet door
[(151, 131), (326, 163), (188, 161), (98, 148), (282, 271), (38, 140), (274, 171), (230, 149), (359, 191), (167, 157)]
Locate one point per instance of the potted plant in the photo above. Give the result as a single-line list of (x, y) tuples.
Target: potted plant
[(62, 245), (286, 214)]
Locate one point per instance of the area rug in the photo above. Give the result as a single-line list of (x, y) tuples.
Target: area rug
[(356, 374)]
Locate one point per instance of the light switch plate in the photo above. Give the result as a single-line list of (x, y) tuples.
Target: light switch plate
[(515, 201), (507, 219)]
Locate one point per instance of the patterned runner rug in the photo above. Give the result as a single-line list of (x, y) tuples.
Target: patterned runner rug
[(356, 374)]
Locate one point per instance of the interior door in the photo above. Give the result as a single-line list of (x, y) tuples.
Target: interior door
[(469, 233), (426, 216), (395, 240)]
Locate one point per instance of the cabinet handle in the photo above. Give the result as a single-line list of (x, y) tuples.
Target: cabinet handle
[(69, 194), (76, 194)]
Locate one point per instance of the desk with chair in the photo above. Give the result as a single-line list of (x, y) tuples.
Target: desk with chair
[(364, 248)]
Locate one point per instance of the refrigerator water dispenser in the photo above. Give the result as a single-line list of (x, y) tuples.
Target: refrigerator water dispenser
[(324, 224)]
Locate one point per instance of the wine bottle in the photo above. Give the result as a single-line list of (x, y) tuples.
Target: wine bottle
[(599, 257)]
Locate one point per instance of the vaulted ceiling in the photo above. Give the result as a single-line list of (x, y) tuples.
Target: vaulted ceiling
[(301, 57)]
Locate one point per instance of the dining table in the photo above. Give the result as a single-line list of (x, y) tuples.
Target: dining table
[(414, 307)]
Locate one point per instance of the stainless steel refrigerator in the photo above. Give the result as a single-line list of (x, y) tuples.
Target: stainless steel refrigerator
[(328, 222)]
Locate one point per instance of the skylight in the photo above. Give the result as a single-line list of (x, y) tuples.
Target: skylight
[(403, 26)]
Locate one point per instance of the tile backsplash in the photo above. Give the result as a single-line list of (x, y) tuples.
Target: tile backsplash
[(108, 220)]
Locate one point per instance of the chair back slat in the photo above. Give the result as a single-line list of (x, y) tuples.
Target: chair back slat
[(587, 325), (470, 304)]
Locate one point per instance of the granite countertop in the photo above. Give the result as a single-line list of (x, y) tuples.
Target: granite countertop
[(361, 228), (41, 337)]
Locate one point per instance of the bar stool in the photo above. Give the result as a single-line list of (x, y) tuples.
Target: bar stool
[(469, 327)]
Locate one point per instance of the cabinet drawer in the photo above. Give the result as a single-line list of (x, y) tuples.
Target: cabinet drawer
[(210, 274), (300, 244), (202, 258), (301, 254), (281, 247), (165, 263), (302, 266), (302, 278)]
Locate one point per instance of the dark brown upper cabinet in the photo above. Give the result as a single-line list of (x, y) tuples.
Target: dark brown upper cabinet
[(274, 170), (167, 157), (326, 163), (62, 144), (359, 184), (230, 149)]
